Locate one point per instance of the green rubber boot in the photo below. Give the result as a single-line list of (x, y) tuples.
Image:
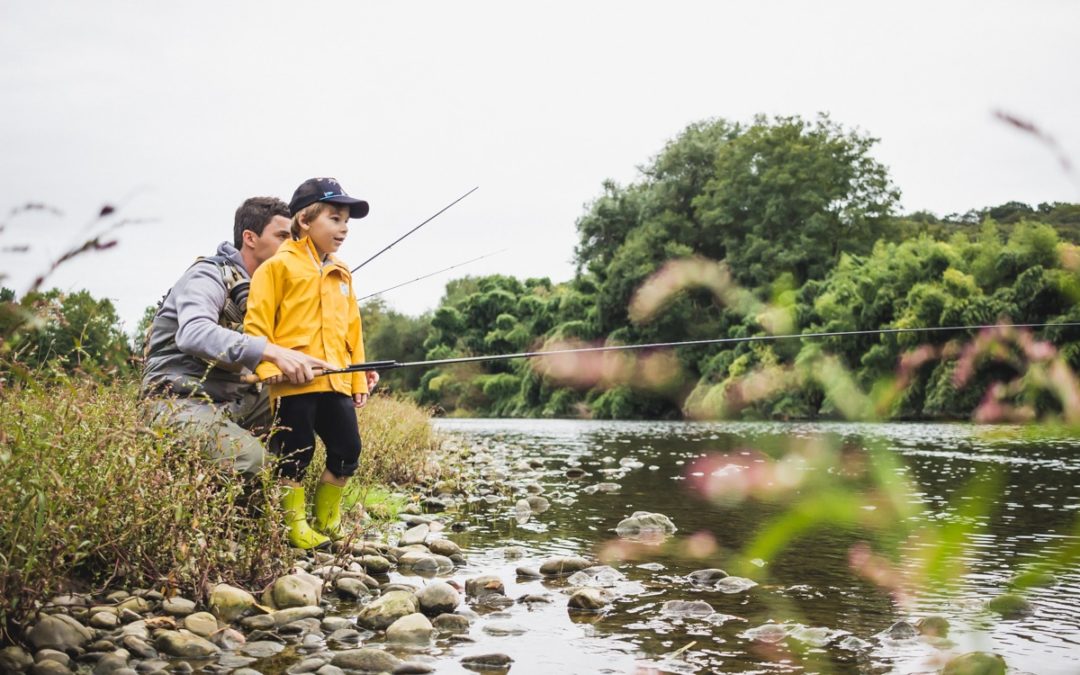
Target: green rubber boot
[(301, 535), (328, 510)]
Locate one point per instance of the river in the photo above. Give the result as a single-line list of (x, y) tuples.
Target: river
[(810, 589)]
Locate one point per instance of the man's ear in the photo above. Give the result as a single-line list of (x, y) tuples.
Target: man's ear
[(248, 237)]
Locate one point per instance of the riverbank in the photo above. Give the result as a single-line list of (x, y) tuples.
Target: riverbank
[(97, 496)]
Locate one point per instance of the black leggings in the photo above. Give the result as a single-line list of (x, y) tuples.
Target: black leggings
[(298, 418)]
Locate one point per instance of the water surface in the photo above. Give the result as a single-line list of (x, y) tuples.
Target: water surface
[(811, 583)]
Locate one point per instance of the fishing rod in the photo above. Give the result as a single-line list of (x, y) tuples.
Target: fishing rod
[(393, 365), (392, 244), (445, 269)]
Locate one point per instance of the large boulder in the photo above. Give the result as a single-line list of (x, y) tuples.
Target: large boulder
[(184, 645), (437, 598), (644, 522), (410, 628), (386, 609), (366, 660), (975, 663), (292, 590), (229, 603), (59, 632), (484, 585)]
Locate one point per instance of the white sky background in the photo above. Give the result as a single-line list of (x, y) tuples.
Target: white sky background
[(179, 111)]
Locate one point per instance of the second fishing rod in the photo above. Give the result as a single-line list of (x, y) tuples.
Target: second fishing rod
[(393, 365)]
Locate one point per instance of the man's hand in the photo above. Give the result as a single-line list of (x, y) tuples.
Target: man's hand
[(359, 400), (296, 367)]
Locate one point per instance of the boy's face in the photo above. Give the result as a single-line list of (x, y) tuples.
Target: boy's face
[(265, 245), (328, 229)]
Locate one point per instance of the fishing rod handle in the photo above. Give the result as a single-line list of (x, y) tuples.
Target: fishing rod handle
[(252, 378)]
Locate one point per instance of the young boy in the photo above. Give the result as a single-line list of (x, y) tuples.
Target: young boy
[(302, 298)]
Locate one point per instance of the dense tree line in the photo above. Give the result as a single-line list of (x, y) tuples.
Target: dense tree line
[(805, 219)]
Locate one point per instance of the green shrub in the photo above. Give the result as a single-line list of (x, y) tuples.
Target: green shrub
[(92, 494)]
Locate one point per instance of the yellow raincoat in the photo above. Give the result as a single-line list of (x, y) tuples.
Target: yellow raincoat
[(299, 303)]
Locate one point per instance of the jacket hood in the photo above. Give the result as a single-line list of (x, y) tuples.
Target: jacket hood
[(305, 249), (227, 250)]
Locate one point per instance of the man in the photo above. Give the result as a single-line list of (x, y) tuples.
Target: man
[(196, 351)]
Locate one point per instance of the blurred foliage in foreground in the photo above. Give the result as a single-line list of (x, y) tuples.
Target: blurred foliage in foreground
[(805, 219)]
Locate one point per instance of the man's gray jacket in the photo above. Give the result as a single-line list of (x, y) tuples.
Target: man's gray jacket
[(189, 350)]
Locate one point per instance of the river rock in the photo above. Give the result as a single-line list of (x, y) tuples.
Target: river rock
[(184, 645), (706, 577), (135, 604), (563, 566), (258, 622), (69, 600), (375, 564), (538, 504), (52, 655), (1009, 606), (385, 610), (333, 623), (111, 663), (59, 632), (178, 606), (14, 659), (262, 649), (346, 636), (229, 603), (975, 663), (283, 617), (933, 626), (504, 628), (526, 572), (643, 522), (415, 535), (733, 585), (138, 647), (49, 668), (484, 661), (351, 588), (202, 624), (444, 547), (437, 598), (686, 608), (329, 670), (769, 633), (291, 590), (104, 620), (901, 630), (484, 585), (451, 623), (588, 599), (410, 628), (514, 552), (366, 660)]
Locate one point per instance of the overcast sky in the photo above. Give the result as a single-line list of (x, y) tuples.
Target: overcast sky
[(179, 111)]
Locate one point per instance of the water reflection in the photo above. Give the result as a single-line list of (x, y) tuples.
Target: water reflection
[(649, 466)]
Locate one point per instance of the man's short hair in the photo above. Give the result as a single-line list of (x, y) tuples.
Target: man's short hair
[(255, 214)]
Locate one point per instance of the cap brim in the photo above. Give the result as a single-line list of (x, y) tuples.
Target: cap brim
[(358, 208)]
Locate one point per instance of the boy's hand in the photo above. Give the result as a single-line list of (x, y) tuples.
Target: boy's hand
[(359, 400), (296, 367), (372, 380)]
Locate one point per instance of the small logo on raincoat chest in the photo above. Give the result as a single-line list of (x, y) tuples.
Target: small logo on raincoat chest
[(344, 288)]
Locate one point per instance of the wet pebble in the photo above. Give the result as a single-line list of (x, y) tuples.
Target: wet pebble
[(481, 661), (484, 585), (202, 624), (972, 663), (178, 606), (258, 622), (261, 650), (437, 598), (503, 628), (451, 623), (563, 566), (411, 628), (365, 659), (588, 599), (686, 608), (769, 633)]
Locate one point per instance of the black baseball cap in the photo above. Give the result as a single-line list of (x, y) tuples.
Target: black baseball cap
[(325, 190)]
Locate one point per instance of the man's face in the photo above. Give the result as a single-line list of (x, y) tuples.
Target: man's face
[(266, 245)]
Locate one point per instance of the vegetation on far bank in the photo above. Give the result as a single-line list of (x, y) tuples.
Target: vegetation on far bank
[(804, 218)]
